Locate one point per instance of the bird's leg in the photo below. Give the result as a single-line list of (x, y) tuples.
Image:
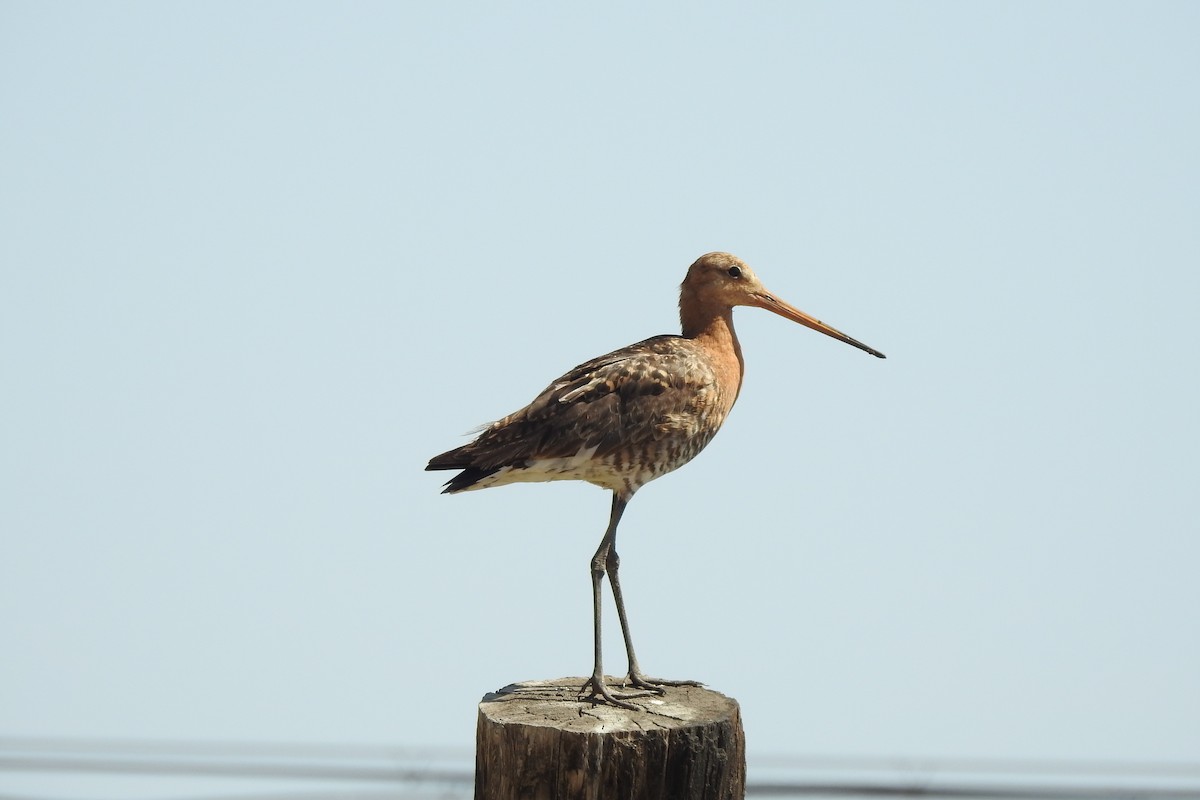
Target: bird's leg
[(599, 565), (636, 676)]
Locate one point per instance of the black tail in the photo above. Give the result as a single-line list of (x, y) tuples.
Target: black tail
[(459, 459)]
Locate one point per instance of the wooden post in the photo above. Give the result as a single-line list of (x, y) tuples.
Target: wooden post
[(539, 740)]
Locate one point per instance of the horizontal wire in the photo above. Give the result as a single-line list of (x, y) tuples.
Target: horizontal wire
[(966, 790), (930, 776), (230, 769), (235, 748), (967, 764), (189, 748)]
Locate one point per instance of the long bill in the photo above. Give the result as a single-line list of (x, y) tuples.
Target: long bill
[(772, 303)]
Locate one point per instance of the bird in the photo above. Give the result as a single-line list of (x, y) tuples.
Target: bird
[(621, 420)]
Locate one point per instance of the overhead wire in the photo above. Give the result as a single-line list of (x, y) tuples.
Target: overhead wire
[(448, 772)]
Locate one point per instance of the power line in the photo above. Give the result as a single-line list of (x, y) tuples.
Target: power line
[(971, 792), (246, 749), (231, 748), (404, 769), (981, 765), (232, 769)]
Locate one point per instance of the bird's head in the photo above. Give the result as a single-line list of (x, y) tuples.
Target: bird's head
[(720, 281)]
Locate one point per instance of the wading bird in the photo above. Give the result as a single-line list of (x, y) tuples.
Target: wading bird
[(621, 420)]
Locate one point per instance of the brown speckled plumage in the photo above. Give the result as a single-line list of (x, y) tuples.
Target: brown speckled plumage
[(621, 420), (642, 411)]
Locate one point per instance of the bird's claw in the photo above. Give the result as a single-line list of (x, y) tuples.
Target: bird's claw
[(656, 685), (600, 691)]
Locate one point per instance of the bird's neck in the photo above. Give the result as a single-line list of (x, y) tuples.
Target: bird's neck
[(715, 332)]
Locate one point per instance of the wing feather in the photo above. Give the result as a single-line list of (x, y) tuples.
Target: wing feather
[(621, 399)]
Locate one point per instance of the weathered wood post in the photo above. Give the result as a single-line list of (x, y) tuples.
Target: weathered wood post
[(539, 740)]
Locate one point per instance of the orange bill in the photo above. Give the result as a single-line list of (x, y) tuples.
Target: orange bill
[(772, 303)]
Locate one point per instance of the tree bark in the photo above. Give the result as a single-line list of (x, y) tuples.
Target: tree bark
[(543, 740)]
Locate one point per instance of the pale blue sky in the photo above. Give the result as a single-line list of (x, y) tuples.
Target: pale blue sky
[(259, 261)]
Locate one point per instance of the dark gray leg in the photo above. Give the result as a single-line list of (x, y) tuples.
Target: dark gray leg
[(636, 676), (600, 564)]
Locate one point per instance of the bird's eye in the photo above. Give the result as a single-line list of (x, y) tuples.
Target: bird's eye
[(735, 272)]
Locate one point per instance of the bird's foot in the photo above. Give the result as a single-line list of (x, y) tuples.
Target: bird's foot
[(656, 685), (600, 691)]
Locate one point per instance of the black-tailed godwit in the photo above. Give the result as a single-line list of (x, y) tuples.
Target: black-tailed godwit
[(621, 420)]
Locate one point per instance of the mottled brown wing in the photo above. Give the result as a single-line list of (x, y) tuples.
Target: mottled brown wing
[(620, 399)]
